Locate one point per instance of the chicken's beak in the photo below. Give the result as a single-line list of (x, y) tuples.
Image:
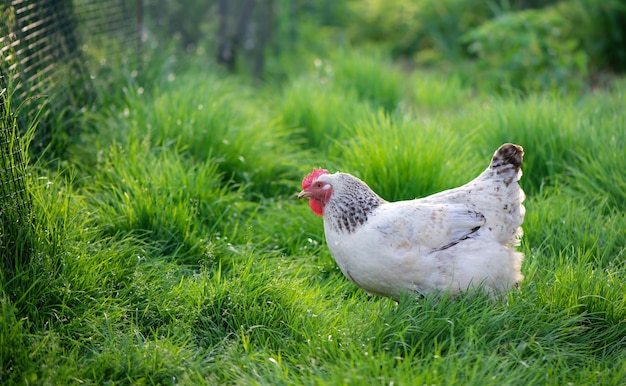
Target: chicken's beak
[(303, 194)]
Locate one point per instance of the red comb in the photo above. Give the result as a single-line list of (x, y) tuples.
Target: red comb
[(308, 180)]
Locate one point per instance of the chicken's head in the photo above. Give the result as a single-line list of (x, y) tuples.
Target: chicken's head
[(317, 191)]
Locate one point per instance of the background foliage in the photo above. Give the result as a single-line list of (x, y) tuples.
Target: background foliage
[(499, 45)]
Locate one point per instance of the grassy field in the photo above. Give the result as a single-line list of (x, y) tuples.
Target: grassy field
[(169, 246)]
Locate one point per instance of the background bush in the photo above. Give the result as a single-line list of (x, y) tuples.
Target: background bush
[(531, 50), (429, 31), (518, 45), (601, 28)]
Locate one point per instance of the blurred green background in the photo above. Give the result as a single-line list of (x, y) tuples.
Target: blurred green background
[(526, 45)]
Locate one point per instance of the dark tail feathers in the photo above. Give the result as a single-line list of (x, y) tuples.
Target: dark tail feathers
[(507, 154)]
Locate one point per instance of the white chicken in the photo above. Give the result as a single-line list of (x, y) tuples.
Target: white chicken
[(451, 241)]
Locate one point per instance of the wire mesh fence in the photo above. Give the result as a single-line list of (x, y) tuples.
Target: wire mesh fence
[(41, 46), (15, 243), (12, 165), (38, 38), (44, 76)]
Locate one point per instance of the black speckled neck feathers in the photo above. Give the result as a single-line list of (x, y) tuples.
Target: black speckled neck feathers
[(350, 205)]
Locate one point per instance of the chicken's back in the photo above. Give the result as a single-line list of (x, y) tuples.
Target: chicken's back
[(496, 194)]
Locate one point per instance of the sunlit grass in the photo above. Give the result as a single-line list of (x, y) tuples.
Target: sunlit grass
[(598, 172), (401, 157), (319, 112), (371, 74), (171, 248), (434, 92), (137, 184), (214, 119)]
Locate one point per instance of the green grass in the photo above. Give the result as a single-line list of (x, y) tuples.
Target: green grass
[(169, 248)]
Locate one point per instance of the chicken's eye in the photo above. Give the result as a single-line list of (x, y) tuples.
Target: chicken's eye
[(318, 185)]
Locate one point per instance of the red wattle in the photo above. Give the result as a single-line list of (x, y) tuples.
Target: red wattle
[(317, 206)]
